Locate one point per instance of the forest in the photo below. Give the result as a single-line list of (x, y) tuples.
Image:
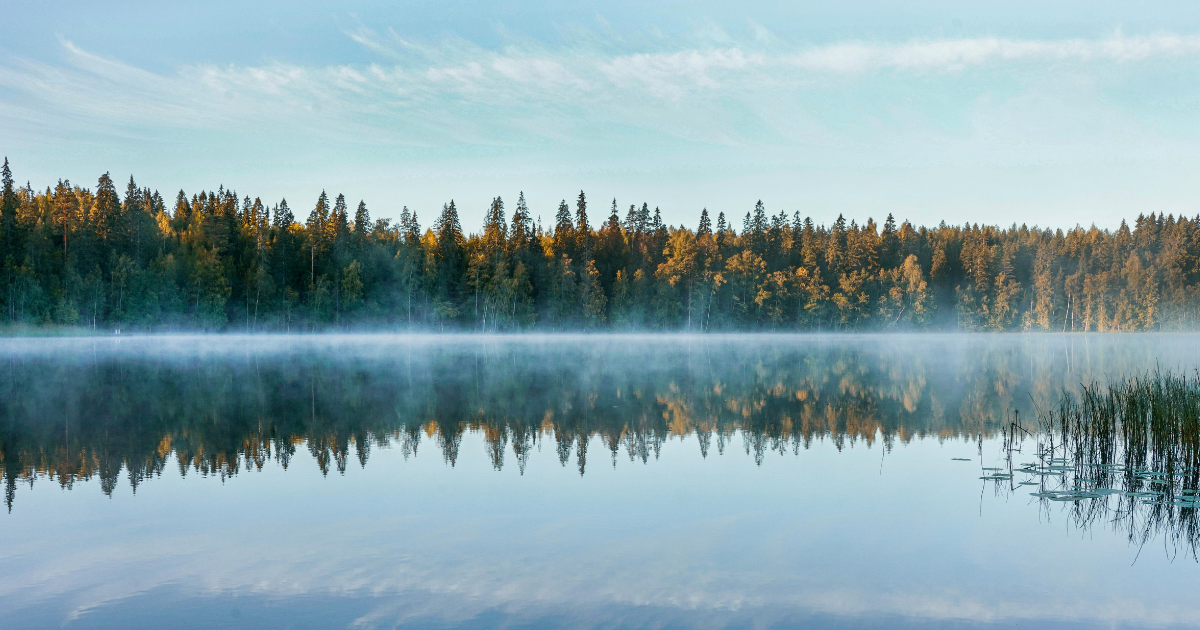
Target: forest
[(217, 261)]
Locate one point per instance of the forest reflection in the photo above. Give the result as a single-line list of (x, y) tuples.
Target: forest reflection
[(75, 411)]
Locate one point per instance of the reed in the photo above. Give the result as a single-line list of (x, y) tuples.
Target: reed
[(1126, 452)]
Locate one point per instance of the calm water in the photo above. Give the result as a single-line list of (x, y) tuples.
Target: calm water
[(582, 482)]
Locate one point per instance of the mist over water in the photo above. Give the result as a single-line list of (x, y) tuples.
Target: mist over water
[(557, 481)]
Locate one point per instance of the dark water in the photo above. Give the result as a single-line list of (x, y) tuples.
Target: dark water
[(582, 482)]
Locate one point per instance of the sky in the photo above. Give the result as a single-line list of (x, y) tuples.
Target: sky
[(1076, 113)]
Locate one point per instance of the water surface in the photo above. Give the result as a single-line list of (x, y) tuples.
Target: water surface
[(562, 481)]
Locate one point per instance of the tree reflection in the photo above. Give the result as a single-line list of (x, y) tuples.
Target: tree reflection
[(69, 417)]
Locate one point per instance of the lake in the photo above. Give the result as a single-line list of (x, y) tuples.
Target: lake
[(569, 481)]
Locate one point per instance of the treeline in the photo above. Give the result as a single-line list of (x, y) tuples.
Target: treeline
[(80, 257)]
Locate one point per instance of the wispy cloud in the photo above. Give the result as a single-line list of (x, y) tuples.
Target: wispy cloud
[(957, 54), (422, 92), (671, 74)]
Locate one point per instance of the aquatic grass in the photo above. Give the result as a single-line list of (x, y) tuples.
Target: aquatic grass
[(1126, 452)]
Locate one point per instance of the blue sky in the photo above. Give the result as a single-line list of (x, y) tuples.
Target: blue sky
[(1079, 112)]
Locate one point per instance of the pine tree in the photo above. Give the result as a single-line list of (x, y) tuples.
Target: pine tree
[(182, 213), (835, 249), (317, 230), (283, 216), (495, 229), (259, 222), (106, 212), (318, 219), (8, 208), (341, 220), (362, 219), (137, 226), (450, 260), (522, 226), (889, 245), (631, 220), (8, 235), (581, 217), (410, 227), (65, 207), (722, 236), (643, 219), (564, 230), (611, 249)]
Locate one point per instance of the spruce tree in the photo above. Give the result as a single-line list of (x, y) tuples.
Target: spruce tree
[(522, 225), (106, 212), (564, 229), (341, 219), (362, 219), (889, 246), (450, 260), (495, 229), (132, 223), (283, 216), (8, 204), (65, 204), (317, 232), (581, 217), (8, 229), (611, 249), (643, 219), (722, 235), (318, 219), (583, 229), (409, 232), (261, 221), (181, 216), (631, 220)]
